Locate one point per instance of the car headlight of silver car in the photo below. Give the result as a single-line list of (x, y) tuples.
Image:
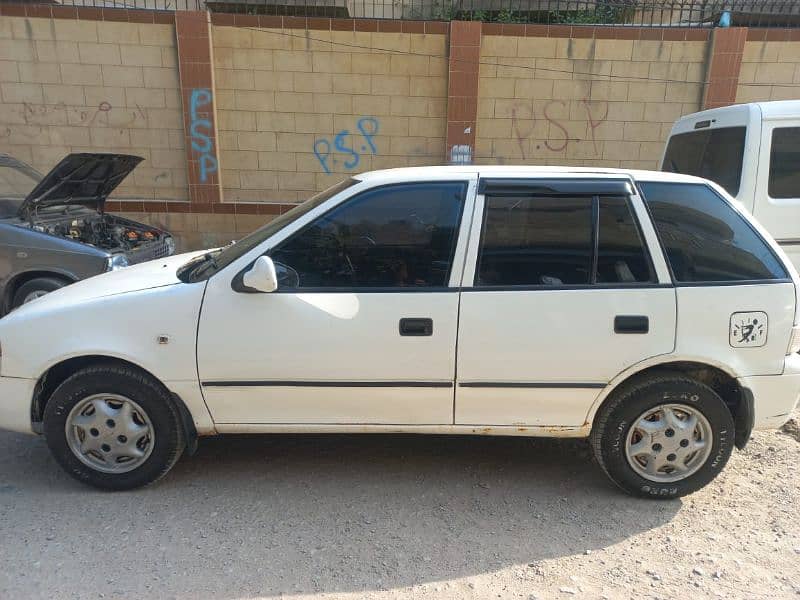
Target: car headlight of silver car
[(116, 262), (170, 245)]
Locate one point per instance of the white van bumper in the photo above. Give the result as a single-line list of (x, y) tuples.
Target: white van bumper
[(16, 395), (775, 396)]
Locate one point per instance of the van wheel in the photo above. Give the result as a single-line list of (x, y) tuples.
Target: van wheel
[(113, 427), (36, 288), (664, 437)]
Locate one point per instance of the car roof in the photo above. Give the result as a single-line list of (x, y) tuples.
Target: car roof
[(521, 171), (773, 109)]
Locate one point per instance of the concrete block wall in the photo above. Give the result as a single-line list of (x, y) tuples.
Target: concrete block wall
[(301, 109), (94, 86), (770, 70), (239, 117), (583, 101)]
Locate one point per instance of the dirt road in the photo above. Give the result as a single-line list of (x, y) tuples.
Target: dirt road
[(398, 517)]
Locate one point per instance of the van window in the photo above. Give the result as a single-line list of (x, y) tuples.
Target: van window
[(705, 239), (714, 154), (546, 241), (784, 163)]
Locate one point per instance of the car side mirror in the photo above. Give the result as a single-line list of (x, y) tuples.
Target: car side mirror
[(261, 277)]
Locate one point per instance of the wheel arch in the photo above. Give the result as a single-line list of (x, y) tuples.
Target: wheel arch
[(20, 279), (718, 377), (57, 373)]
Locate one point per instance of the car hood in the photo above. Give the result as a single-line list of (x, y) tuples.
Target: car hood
[(83, 178), (147, 275)]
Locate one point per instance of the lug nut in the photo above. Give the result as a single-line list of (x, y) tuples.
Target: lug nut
[(94, 432), (669, 432), (111, 423), (122, 439), (657, 447), (106, 448), (671, 457), (684, 443)]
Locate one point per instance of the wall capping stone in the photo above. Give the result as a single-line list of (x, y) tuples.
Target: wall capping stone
[(88, 13), (332, 24), (608, 32)]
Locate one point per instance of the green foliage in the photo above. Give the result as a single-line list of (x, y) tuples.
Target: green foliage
[(509, 16), (443, 11), (477, 15), (600, 15)]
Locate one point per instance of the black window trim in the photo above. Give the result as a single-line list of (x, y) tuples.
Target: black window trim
[(724, 283), (362, 289), (595, 241)]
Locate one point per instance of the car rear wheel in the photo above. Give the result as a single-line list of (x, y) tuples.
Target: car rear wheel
[(113, 427), (36, 288), (664, 437)]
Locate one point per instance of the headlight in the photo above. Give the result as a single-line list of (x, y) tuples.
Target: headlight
[(170, 244), (116, 262)]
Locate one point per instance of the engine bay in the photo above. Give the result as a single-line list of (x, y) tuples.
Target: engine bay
[(103, 231)]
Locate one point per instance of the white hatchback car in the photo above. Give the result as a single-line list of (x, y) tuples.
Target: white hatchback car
[(646, 311)]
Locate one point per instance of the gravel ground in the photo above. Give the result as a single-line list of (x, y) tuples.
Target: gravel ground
[(398, 517)]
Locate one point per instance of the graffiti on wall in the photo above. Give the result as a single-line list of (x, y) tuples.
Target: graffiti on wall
[(559, 141), (200, 132), (346, 148)]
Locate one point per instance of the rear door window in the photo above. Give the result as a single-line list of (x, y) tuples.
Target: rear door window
[(621, 256), (784, 163), (560, 241), (714, 154), (705, 239)]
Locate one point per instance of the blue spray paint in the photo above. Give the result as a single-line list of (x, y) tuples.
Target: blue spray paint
[(345, 143), (199, 129)]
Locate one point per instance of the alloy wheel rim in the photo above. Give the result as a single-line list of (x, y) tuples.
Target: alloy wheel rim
[(668, 443), (110, 433)]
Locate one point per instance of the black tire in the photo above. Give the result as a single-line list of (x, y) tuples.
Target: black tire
[(148, 393), (40, 284), (618, 414)]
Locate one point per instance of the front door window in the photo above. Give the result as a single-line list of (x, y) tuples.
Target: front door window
[(391, 237)]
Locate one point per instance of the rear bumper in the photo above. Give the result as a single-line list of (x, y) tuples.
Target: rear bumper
[(774, 396), (16, 395)]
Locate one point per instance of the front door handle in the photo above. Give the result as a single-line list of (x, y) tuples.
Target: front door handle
[(631, 324), (416, 327)]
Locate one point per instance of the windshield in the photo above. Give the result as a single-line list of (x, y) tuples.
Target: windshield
[(204, 266), (714, 154)]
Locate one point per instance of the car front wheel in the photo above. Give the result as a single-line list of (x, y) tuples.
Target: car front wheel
[(664, 437), (36, 288), (113, 427)]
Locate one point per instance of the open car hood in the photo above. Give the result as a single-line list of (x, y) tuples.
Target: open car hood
[(84, 179)]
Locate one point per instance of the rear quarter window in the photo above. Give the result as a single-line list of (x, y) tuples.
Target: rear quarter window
[(705, 239)]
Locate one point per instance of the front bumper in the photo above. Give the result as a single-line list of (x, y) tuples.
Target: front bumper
[(16, 395), (775, 396)]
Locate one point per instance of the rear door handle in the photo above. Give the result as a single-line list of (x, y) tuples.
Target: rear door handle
[(416, 327), (631, 324)]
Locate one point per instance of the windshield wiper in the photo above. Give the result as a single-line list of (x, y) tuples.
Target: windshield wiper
[(195, 270)]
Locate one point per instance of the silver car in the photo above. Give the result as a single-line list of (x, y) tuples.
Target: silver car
[(54, 231)]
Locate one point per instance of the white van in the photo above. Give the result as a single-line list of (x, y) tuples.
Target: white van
[(751, 150)]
